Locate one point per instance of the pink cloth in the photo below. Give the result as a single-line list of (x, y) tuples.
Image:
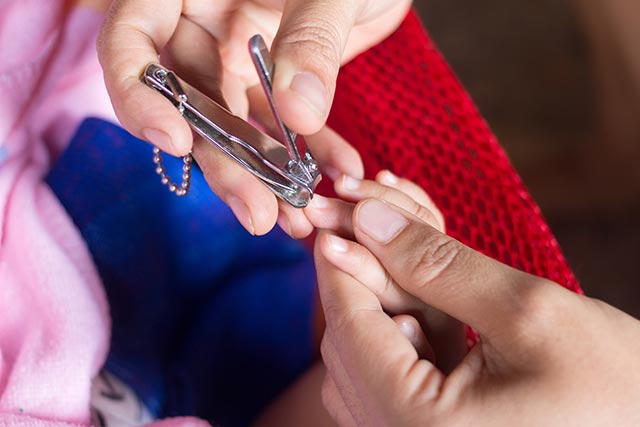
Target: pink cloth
[(54, 323)]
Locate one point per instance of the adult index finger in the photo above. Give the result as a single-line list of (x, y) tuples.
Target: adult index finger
[(133, 33)]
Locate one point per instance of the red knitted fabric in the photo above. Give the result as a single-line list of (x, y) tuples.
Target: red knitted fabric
[(402, 107)]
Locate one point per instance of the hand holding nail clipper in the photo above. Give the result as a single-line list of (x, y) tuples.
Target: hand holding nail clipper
[(204, 43)]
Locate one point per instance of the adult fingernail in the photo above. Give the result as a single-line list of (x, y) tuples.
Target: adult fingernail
[(158, 138), (241, 211), (337, 244), (312, 91), (379, 221)]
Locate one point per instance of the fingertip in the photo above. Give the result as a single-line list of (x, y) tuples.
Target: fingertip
[(149, 116), (242, 213), (408, 325), (417, 193), (128, 41), (164, 141), (310, 89), (293, 221), (255, 206), (387, 177), (263, 216), (302, 91), (412, 330), (316, 210), (333, 249), (357, 165), (296, 112), (322, 239), (318, 202), (331, 214), (307, 53), (320, 251), (335, 245), (348, 257), (313, 211), (176, 140), (331, 172), (284, 223), (257, 216), (335, 155), (347, 185)]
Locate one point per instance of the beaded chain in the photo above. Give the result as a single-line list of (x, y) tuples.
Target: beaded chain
[(183, 188)]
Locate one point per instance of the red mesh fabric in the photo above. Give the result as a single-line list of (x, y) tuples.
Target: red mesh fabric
[(402, 107)]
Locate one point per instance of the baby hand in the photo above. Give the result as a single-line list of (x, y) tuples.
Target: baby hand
[(446, 339)]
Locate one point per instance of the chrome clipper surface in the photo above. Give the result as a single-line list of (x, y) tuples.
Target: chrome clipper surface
[(287, 167)]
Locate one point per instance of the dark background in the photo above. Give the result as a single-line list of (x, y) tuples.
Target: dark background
[(556, 81)]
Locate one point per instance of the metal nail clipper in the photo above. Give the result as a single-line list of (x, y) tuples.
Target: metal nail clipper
[(287, 168)]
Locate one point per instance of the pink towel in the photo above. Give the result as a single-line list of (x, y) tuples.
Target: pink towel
[(54, 324)]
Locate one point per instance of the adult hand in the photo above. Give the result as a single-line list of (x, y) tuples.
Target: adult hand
[(446, 346), (206, 43), (546, 356)]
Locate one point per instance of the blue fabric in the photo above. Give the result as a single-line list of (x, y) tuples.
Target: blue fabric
[(207, 319)]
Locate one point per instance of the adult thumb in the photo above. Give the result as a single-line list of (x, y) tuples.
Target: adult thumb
[(307, 52), (443, 272)]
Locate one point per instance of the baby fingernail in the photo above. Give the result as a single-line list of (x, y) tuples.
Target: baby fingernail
[(319, 202), (349, 183), (387, 177), (408, 330), (337, 244), (379, 221), (332, 173)]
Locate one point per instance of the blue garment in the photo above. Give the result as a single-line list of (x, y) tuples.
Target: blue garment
[(207, 319)]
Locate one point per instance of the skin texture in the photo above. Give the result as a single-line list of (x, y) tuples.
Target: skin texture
[(301, 404), (205, 42), (546, 356)]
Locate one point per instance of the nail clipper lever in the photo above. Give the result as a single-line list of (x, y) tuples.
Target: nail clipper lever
[(290, 175)]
